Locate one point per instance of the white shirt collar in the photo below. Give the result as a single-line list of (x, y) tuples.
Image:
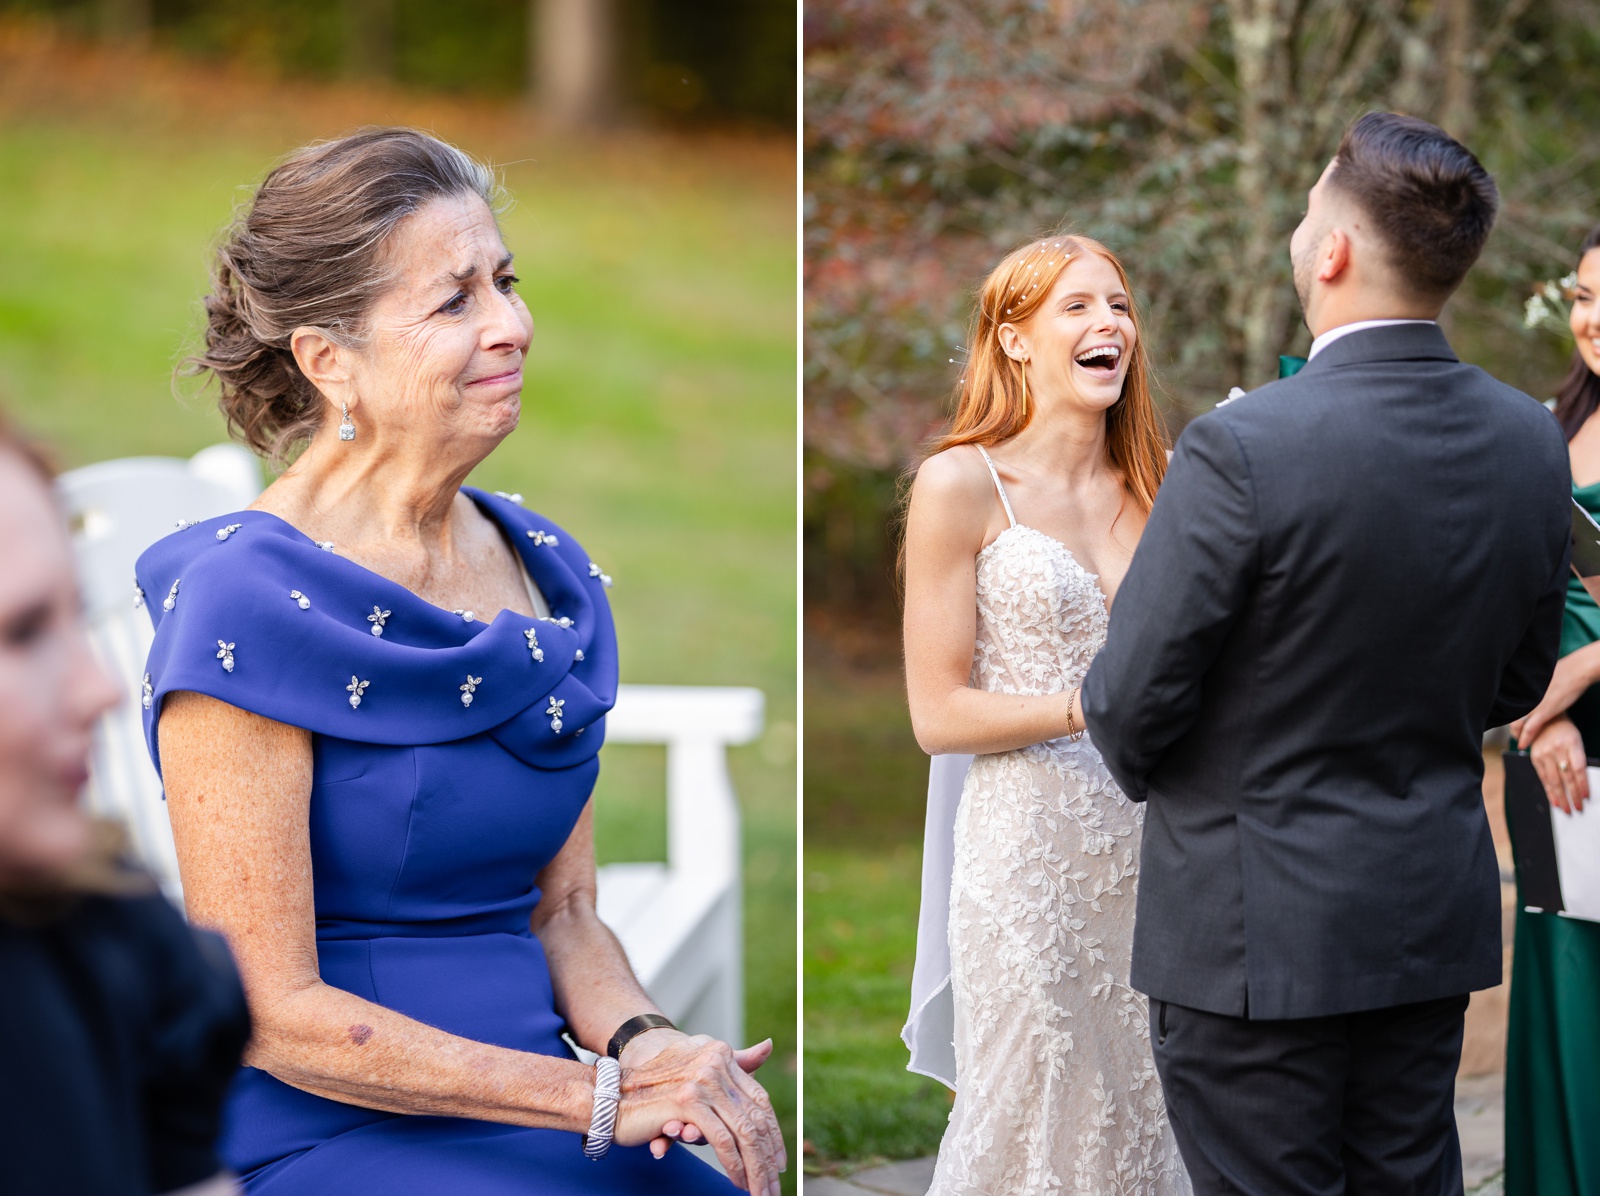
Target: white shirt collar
[(1333, 334)]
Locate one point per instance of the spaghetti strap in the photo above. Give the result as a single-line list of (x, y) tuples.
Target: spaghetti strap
[(993, 473)]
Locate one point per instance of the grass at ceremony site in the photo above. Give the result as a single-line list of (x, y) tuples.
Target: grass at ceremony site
[(658, 417), (866, 782)]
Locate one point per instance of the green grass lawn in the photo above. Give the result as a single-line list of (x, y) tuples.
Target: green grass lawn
[(659, 418), (861, 936), (866, 783)]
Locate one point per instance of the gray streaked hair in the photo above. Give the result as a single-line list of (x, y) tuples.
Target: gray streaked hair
[(307, 251)]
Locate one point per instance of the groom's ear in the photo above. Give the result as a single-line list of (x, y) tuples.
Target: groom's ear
[(1333, 255)]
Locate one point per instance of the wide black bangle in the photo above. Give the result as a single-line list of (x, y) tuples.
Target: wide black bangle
[(633, 1027)]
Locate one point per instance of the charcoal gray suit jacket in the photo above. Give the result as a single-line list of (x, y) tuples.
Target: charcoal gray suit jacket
[(1348, 576)]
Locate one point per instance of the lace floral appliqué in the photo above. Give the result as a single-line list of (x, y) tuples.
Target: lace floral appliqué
[(1056, 1090)]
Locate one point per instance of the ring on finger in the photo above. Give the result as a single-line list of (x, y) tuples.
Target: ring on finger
[(1562, 765)]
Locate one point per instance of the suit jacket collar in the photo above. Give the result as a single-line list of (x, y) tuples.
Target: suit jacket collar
[(1394, 342)]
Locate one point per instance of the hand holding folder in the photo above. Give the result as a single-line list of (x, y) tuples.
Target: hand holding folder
[(1557, 854)]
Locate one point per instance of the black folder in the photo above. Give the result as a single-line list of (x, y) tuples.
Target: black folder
[(1557, 855), (1528, 815)]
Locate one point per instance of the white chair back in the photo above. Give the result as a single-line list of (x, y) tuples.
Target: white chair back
[(117, 509)]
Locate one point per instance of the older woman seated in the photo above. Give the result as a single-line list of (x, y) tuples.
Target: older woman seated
[(376, 700)]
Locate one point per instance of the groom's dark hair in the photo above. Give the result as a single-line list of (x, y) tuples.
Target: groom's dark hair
[(1430, 200)]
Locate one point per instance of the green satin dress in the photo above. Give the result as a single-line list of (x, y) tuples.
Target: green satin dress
[(1553, 1041)]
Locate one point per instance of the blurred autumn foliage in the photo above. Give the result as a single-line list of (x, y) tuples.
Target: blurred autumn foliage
[(940, 133)]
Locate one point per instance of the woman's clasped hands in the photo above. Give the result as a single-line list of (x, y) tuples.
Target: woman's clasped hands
[(693, 1088)]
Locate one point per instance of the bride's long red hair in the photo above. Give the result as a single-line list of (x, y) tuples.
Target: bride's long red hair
[(990, 402)]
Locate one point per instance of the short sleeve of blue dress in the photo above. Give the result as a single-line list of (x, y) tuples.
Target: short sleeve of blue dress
[(451, 760)]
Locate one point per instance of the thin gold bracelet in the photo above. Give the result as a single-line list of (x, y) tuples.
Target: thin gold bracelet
[(1073, 733)]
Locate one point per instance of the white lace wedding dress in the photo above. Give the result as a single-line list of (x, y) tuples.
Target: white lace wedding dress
[(1056, 1090)]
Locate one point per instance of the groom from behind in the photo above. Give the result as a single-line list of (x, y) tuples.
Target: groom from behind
[(1347, 577)]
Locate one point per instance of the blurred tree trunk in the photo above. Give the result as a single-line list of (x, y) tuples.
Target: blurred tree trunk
[(1257, 313), (125, 22), (572, 59), (1459, 92), (369, 39)]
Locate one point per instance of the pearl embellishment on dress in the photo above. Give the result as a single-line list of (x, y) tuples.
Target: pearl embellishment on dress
[(543, 537), (532, 637), (356, 689), (224, 532), (377, 618), (171, 600), (225, 655), (149, 692), (300, 599), (554, 711), (469, 689)]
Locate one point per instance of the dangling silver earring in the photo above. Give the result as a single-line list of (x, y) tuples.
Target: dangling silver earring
[(347, 430)]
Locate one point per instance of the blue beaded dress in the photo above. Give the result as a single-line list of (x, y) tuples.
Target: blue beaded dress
[(451, 760)]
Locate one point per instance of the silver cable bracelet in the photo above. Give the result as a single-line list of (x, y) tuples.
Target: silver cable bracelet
[(607, 1096)]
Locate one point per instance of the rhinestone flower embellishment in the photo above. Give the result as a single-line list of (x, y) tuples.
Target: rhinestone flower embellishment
[(355, 689), (225, 655), (171, 600), (182, 524), (325, 545), (516, 498), (138, 595), (466, 615), (558, 620), (377, 619), (595, 571), (470, 688), (543, 537), (554, 711), (149, 692), (300, 599), (532, 637), (578, 656), (224, 532)]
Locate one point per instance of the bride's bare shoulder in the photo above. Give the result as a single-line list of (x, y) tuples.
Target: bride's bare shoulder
[(957, 474), (953, 490)]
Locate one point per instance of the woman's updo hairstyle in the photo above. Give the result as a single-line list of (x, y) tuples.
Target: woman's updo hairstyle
[(307, 251)]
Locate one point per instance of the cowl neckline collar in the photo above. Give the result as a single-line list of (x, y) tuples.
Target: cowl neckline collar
[(252, 611)]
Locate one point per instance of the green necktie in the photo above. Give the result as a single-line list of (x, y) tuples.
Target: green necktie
[(1288, 366)]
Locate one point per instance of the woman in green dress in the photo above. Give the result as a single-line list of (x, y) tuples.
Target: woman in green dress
[(1553, 1047)]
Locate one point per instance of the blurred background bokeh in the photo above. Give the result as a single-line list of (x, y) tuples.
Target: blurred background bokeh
[(652, 169), (941, 134)]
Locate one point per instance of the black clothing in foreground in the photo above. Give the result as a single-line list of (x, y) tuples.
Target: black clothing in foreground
[(1359, 1104), (1347, 577), (120, 1029)]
